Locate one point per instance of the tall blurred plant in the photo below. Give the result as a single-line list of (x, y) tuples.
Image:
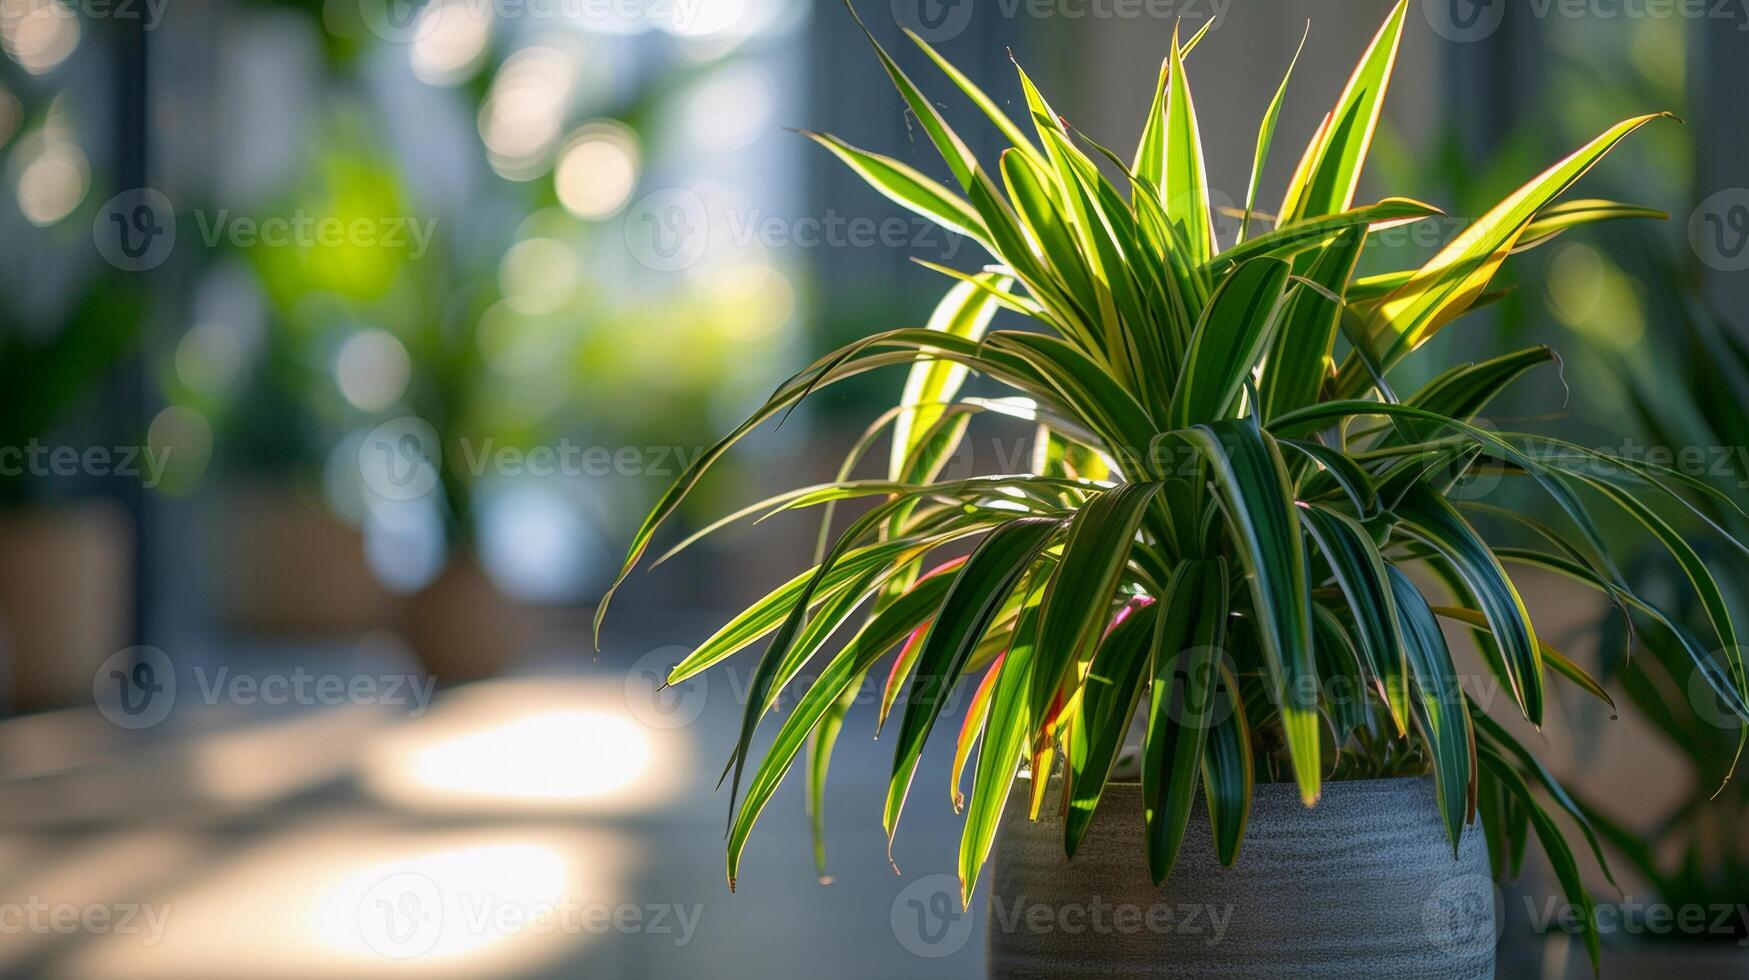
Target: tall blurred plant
[(1651, 351), (1690, 391), (46, 374), (523, 324)]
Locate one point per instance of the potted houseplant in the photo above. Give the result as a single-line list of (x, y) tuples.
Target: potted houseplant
[(66, 571), (402, 304), (1237, 532)]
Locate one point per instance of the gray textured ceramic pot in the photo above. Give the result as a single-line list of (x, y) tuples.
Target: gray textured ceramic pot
[(1362, 886)]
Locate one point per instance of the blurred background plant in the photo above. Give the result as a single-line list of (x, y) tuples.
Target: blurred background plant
[(495, 307), (1687, 384), (67, 322), (1660, 369)]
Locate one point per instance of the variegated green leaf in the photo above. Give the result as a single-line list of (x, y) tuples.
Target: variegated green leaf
[(1330, 173), (1187, 662), (979, 589), (1108, 700), (964, 312), (1439, 709), (1253, 484), (1184, 181)]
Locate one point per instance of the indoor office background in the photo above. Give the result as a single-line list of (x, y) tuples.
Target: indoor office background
[(275, 671)]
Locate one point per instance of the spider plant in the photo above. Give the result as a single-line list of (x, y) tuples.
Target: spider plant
[(1232, 514)]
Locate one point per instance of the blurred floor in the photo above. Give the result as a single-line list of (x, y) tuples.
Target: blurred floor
[(542, 825)]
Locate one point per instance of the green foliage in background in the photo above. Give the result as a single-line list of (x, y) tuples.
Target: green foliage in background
[(1695, 394), (1671, 374), (46, 374)]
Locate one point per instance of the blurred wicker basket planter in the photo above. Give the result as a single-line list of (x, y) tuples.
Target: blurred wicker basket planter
[(66, 579), (1364, 885), (294, 569), (462, 627)]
